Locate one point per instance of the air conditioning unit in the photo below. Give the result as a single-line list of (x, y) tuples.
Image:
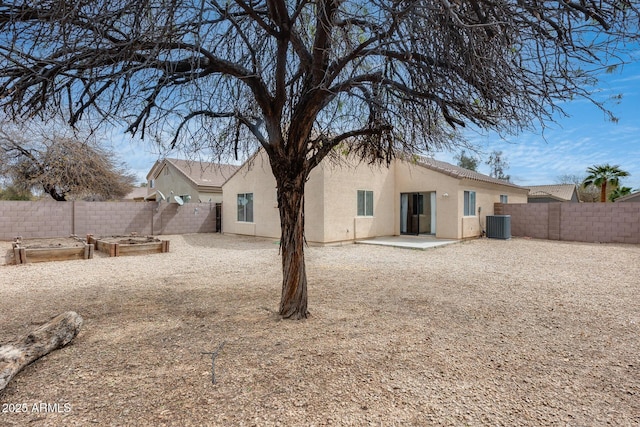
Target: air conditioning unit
[(499, 226)]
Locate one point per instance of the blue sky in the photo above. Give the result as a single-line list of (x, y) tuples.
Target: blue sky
[(568, 147), (583, 139)]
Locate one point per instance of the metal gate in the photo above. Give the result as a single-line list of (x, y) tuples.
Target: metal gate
[(218, 217)]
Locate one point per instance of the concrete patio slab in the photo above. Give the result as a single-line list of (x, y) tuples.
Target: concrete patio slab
[(410, 242)]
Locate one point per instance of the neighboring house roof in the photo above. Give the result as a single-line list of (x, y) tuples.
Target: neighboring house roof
[(137, 193), (201, 174), (559, 192), (633, 197), (458, 172)]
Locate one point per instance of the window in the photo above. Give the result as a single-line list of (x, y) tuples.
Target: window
[(152, 183), (504, 198), (245, 207), (469, 203), (365, 203)]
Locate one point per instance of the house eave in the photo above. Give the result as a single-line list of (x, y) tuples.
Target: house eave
[(208, 189)]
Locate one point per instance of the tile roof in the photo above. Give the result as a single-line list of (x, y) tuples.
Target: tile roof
[(458, 172), (562, 192), (632, 197), (136, 193), (204, 174), (442, 167)]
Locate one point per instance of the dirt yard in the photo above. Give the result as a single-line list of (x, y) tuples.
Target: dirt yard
[(482, 332)]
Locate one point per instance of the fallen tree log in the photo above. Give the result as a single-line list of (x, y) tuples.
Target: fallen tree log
[(51, 336)]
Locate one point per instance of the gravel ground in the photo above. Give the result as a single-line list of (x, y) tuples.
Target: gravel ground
[(482, 332)]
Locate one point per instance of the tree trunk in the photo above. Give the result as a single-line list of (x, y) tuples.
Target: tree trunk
[(51, 190), (603, 192), (293, 303), (51, 336)]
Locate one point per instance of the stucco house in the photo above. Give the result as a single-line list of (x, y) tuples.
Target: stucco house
[(190, 180), (553, 193), (357, 201)]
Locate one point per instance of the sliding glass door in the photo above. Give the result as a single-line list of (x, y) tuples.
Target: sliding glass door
[(417, 213)]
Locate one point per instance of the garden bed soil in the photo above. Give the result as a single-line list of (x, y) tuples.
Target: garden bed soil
[(48, 249), (52, 243), (129, 245)]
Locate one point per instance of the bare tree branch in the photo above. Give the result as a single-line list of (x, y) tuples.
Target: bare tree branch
[(37, 156), (302, 78)]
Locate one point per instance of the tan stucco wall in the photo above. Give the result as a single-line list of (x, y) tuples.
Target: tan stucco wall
[(254, 177), (314, 207), (486, 195), (413, 178), (331, 201), (341, 185), (170, 180), (205, 197)]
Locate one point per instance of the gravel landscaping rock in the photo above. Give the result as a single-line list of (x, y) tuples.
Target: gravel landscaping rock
[(481, 332)]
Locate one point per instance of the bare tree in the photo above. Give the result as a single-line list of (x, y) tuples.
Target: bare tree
[(63, 166), (301, 78), (586, 193)]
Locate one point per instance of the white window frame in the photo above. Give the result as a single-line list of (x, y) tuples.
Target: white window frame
[(245, 210), (469, 203), (504, 198), (365, 203)]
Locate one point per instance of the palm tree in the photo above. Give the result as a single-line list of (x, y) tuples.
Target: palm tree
[(619, 192), (602, 175)]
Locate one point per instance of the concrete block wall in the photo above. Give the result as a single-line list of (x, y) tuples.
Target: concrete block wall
[(31, 219), (582, 222), (43, 219), (554, 217), (530, 220), (596, 222), (188, 218), (579, 223), (109, 218)]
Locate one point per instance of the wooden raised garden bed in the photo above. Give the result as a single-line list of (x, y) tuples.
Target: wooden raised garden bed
[(56, 249), (128, 245)]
